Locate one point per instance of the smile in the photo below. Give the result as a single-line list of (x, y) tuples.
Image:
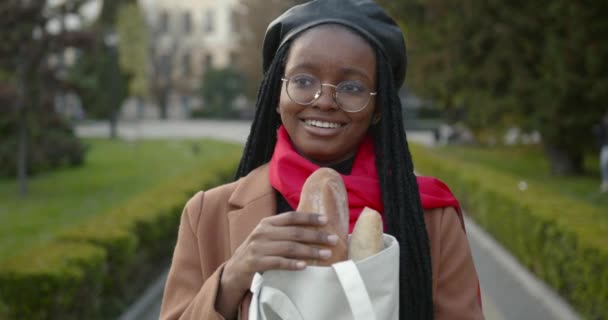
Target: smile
[(323, 124)]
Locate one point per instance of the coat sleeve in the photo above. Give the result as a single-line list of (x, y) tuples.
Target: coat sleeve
[(189, 294), (456, 285)]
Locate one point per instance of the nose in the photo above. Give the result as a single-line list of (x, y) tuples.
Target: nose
[(327, 98)]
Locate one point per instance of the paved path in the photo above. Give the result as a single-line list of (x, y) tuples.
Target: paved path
[(509, 291)]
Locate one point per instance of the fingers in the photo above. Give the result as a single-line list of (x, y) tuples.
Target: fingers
[(294, 226), (298, 218), (283, 242), (289, 249), (303, 235), (284, 255), (280, 263)]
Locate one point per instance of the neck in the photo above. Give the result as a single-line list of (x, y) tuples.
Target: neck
[(328, 163)]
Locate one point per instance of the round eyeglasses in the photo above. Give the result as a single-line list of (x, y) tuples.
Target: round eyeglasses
[(350, 95)]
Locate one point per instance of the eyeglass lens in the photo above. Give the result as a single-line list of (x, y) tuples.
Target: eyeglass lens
[(351, 95)]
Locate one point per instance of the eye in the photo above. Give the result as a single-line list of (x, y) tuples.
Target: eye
[(304, 81), (352, 87)]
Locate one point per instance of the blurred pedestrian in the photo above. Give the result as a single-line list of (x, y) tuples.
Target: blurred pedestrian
[(602, 133)]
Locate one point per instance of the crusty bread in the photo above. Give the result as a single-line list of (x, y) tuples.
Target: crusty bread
[(366, 239), (324, 193)]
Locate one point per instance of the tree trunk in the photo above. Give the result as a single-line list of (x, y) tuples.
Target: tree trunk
[(141, 107), (22, 154), (162, 104), (564, 161), (113, 125), (22, 142)]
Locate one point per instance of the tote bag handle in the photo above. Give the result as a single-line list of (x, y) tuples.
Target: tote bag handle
[(355, 291)]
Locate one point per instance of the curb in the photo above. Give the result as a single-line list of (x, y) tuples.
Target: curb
[(552, 305), (148, 301)]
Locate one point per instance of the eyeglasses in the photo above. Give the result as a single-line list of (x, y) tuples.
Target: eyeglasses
[(350, 95)]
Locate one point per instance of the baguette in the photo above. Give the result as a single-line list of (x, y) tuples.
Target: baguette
[(366, 239), (324, 193)]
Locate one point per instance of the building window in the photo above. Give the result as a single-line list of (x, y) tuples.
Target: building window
[(187, 22), (235, 21), (234, 58), (187, 64), (163, 22), (208, 61), (208, 21)]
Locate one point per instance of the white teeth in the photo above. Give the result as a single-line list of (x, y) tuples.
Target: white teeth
[(322, 124)]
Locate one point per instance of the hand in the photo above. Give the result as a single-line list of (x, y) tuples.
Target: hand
[(282, 241)]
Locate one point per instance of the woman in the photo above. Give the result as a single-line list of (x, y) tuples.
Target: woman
[(328, 98)]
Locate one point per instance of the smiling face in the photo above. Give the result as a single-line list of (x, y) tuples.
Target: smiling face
[(321, 131)]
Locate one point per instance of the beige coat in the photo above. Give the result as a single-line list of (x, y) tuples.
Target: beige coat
[(214, 223)]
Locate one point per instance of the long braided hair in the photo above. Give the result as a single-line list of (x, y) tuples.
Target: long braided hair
[(403, 212)]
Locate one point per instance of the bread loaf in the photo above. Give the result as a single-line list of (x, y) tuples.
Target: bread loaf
[(366, 239), (324, 193)]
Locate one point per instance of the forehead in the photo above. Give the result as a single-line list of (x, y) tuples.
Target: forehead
[(332, 45)]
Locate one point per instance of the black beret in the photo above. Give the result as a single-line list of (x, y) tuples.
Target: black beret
[(364, 16)]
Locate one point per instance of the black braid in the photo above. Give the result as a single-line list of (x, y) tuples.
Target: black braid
[(402, 208), (263, 134)]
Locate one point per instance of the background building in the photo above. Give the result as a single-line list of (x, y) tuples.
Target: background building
[(187, 38)]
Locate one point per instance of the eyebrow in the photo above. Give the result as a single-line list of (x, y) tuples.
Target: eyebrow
[(345, 71)]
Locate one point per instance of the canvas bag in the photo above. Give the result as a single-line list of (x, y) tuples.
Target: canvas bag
[(363, 290)]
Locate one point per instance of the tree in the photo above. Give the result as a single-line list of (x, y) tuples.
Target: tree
[(220, 88), (162, 61), (100, 83), (114, 65), (256, 15), (497, 64), (34, 137), (133, 48), (162, 82)]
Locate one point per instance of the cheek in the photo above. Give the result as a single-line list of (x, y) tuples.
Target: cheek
[(365, 118)]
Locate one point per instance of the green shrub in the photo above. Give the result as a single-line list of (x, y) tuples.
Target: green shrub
[(132, 244), (52, 142), (561, 240), (47, 282)]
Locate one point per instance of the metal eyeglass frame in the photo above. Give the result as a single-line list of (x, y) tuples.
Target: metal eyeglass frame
[(335, 96)]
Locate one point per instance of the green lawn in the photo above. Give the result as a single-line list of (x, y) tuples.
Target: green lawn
[(114, 171), (529, 163)]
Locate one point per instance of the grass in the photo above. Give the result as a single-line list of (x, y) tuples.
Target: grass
[(529, 164), (114, 171)]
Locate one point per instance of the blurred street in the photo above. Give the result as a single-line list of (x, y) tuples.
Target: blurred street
[(509, 292)]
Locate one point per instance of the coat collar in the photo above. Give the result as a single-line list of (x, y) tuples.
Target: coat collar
[(253, 200)]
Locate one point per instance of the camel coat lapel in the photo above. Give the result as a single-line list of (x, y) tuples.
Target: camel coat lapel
[(253, 200)]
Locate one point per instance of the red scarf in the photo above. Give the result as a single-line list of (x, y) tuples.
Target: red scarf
[(289, 170)]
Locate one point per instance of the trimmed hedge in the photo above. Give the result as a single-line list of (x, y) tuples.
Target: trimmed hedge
[(561, 240), (95, 269), (48, 281)]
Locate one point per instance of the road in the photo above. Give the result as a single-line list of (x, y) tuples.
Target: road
[(509, 291)]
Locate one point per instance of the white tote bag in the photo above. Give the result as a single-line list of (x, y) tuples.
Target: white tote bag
[(365, 290)]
